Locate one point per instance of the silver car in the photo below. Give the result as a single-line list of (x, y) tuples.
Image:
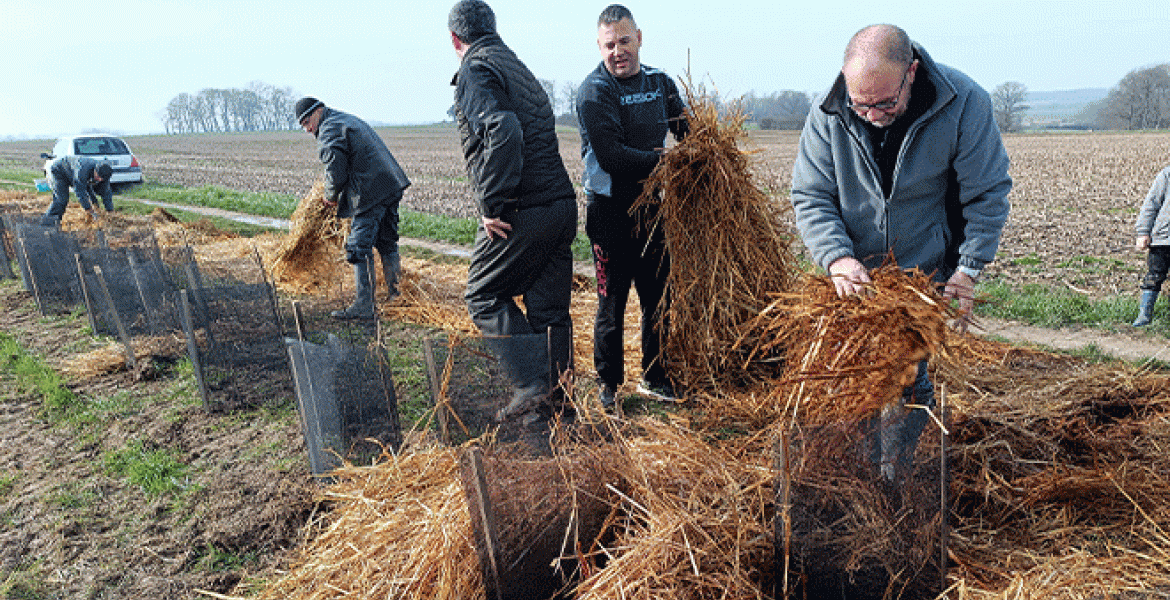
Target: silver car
[(100, 147)]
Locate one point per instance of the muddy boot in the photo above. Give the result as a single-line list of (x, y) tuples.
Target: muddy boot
[(1146, 308), (363, 303), (391, 268), (525, 361)]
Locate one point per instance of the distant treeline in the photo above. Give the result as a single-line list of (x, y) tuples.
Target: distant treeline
[(260, 107), (1141, 100)]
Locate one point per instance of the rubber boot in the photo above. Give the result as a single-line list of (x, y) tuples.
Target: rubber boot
[(1146, 308), (363, 303), (391, 268), (525, 361)]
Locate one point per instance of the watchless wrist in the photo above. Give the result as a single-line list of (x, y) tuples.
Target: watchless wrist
[(970, 272)]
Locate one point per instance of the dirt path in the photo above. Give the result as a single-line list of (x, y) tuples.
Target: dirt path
[(1133, 347)]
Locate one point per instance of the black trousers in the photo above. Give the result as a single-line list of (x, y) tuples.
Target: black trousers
[(643, 262), (534, 262), (1157, 264)]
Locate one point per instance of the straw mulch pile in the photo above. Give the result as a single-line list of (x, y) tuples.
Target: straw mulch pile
[(432, 295), (111, 358), (728, 248), (400, 530), (307, 259), (1061, 478)]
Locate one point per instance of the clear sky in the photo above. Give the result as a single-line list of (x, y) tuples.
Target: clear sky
[(115, 64)]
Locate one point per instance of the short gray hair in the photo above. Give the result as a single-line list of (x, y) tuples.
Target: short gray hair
[(471, 19), (614, 13), (887, 41)]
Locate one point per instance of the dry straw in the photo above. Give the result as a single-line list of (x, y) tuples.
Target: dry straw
[(307, 259), (843, 358), (728, 247)]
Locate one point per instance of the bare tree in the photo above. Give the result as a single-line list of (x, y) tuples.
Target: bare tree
[(569, 98), (1141, 100), (550, 88), (260, 107), (1007, 102)]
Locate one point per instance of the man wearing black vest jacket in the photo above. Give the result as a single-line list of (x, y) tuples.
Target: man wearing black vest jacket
[(527, 206), (625, 109)]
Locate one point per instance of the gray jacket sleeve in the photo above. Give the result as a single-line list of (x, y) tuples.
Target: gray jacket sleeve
[(981, 168), (1148, 216), (333, 149), (815, 197)]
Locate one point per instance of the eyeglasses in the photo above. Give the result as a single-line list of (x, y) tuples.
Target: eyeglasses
[(884, 105)]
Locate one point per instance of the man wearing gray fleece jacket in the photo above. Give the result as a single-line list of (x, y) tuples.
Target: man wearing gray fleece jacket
[(901, 157)]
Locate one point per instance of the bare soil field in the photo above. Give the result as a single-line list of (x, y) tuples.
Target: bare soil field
[(1074, 200)]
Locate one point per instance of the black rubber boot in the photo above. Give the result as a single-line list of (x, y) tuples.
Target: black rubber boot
[(525, 361), (391, 268), (363, 303)]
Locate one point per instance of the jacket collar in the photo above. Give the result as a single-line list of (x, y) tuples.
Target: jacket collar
[(835, 101), (491, 39)]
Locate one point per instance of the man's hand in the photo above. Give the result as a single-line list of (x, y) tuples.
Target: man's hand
[(962, 288), (496, 227), (1142, 243), (326, 202), (849, 275)]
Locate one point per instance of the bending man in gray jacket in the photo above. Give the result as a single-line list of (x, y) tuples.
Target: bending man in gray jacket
[(902, 156), (365, 182)]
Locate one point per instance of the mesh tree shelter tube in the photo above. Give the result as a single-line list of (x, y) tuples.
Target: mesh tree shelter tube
[(237, 334), (47, 265)]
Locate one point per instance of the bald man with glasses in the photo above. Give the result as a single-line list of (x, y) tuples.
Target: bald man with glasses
[(901, 156)]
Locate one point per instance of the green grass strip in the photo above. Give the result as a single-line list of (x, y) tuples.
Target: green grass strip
[(34, 377)]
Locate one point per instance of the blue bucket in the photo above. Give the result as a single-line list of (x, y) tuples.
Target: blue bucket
[(42, 185)]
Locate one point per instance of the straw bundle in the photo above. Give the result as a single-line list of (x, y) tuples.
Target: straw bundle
[(307, 258), (843, 358), (727, 245)]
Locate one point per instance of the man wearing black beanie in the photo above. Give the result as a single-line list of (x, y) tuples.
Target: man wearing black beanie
[(364, 181)]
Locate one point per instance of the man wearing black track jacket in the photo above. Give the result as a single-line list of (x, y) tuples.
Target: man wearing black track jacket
[(625, 109)]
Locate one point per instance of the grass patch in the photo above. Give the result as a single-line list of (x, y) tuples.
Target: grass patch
[(435, 227), (1048, 307), (156, 471), (7, 483), (1093, 264), (266, 204), (214, 560), (412, 384), (34, 377), (10, 172)]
